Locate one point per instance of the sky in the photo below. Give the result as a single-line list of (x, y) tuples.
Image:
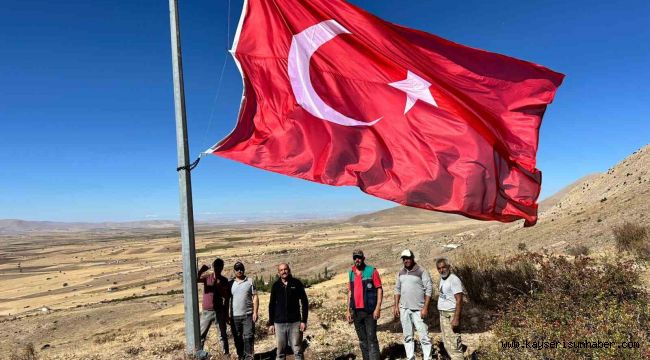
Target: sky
[(87, 129)]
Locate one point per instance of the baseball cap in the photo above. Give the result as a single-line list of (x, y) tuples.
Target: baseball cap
[(239, 266), (357, 252), (407, 253)]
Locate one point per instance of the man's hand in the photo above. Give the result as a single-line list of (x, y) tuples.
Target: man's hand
[(348, 316), (254, 317), (376, 314), (396, 312), (424, 312), (204, 268), (303, 327), (455, 322), (272, 329)]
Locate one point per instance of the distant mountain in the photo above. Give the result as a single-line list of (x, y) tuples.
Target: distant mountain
[(14, 226), (404, 215)]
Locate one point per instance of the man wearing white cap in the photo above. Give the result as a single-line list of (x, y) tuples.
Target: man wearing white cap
[(412, 295)]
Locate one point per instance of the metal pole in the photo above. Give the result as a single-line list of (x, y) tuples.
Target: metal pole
[(190, 293)]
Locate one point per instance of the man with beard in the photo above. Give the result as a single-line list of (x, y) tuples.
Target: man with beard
[(450, 304), (364, 304), (288, 310), (412, 295)]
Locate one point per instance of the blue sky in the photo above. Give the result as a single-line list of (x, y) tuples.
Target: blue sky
[(86, 107)]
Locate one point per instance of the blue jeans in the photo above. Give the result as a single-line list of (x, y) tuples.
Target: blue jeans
[(288, 335)]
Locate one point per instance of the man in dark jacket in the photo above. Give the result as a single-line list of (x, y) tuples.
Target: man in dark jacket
[(288, 310)]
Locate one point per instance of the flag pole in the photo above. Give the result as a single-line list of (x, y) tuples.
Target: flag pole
[(190, 293)]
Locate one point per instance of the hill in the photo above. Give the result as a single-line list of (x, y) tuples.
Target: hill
[(586, 214), (401, 215)]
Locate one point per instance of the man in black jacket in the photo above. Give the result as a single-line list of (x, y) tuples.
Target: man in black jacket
[(288, 310)]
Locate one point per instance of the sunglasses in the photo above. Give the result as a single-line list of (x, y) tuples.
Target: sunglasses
[(239, 269), (357, 257)]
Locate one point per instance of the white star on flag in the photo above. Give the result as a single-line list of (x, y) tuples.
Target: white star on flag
[(416, 88)]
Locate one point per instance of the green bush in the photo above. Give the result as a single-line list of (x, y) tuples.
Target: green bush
[(491, 282), (575, 301)]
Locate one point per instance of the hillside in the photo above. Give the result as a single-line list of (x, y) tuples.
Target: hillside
[(552, 200), (400, 215), (587, 212)]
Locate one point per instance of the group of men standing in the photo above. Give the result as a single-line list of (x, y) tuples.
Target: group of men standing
[(413, 289), (235, 302)]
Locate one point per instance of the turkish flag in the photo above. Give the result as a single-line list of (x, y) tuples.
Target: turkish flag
[(335, 95)]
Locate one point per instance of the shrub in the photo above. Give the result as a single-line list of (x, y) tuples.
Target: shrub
[(103, 338), (576, 300), (261, 329), (167, 347), (578, 250), (24, 352), (133, 350), (332, 314), (521, 246), (492, 282), (632, 238)]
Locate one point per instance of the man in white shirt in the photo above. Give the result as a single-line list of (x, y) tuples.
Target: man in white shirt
[(450, 304)]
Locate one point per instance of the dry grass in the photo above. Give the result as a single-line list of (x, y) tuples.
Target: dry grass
[(23, 352), (633, 238)]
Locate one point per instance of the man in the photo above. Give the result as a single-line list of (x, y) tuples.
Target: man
[(450, 304), (243, 312), (364, 304), (412, 295), (288, 310), (216, 296)]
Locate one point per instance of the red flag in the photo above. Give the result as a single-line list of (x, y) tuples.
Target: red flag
[(335, 95)]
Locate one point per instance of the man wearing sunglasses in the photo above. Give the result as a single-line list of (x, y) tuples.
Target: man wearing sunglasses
[(364, 304), (413, 290), (243, 312)]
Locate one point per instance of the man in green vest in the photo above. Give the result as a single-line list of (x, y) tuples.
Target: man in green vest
[(364, 304)]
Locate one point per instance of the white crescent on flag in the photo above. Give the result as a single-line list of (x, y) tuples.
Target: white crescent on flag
[(303, 46)]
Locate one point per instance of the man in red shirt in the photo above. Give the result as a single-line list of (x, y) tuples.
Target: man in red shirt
[(216, 296), (364, 304)]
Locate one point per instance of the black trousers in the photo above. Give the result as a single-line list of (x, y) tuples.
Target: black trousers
[(366, 327)]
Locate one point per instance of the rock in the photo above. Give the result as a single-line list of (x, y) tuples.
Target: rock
[(451, 246), (45, 310), (46, 346)]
